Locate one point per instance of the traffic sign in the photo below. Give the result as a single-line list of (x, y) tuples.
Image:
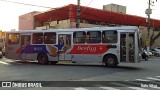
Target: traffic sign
[(147, 41)]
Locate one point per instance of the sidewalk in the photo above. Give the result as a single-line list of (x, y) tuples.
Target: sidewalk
[(158, 58)]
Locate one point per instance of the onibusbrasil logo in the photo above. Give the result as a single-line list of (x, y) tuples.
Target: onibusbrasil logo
[(21, 84)]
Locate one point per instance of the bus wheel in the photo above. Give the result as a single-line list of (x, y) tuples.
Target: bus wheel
[(110, 61), (42, 59), (53, 62)]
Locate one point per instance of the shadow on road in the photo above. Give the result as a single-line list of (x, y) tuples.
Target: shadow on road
[(129, 68)]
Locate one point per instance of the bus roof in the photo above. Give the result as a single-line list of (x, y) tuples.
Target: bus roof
[(78, 29)]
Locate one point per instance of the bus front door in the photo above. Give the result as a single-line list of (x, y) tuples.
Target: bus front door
[(64, 45), (127, 47), (25, 40)]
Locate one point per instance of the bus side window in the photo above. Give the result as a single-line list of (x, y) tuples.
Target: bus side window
[(37, 38), (109, 36), (50, 38), (27, 40), (94, 37), (68, 40), (79, 37), (13, 38)]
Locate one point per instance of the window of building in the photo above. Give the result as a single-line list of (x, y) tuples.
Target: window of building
[(13, 38), (50, 38), (94, 37), (109, 36), (79, 37), (37, 38)]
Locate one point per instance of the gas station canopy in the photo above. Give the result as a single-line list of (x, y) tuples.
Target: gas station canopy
[(93, 14)]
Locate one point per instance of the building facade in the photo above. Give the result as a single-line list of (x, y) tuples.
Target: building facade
[(26, 21), (115, 8)]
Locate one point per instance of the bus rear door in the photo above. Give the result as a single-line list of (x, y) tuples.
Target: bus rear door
[(127, 46)]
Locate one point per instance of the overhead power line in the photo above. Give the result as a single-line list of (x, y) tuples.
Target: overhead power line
[(52, 8), (86, 6), (26, 4), (79, 13)]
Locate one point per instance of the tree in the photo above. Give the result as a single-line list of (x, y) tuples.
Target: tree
[(154, 37)]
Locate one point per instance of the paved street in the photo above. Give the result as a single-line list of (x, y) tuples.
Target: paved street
[(124, 73)]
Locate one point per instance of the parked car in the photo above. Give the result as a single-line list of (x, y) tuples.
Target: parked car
[(1, 55), (156, 52), (145, 54), (158, 48), (150, 54)]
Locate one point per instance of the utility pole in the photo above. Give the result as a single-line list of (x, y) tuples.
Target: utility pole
[(148, 12), (78, 14)]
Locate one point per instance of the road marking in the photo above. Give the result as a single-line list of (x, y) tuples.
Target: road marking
[(155, 87), (137, 88), (124, 85), (142, 80), (4, 63), (119, 84), (153, 78), (136, 83), (109, 88), (80, 88), (157, 76), (9, 60)]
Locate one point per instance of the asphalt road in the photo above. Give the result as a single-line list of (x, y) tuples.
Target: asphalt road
[(120, 77)]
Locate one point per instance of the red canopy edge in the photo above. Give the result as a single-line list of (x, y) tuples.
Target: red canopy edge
[(93, 14)]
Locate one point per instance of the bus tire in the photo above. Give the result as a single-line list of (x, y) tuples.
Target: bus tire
[(53, 62), (110, 61), (42, 58)]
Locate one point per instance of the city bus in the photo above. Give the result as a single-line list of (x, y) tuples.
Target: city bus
[(107, 45)]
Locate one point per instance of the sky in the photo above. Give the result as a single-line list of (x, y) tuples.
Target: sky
[(10, 12)]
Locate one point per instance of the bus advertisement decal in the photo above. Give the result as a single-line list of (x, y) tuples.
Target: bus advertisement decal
[(32, 49), (89, 49)]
